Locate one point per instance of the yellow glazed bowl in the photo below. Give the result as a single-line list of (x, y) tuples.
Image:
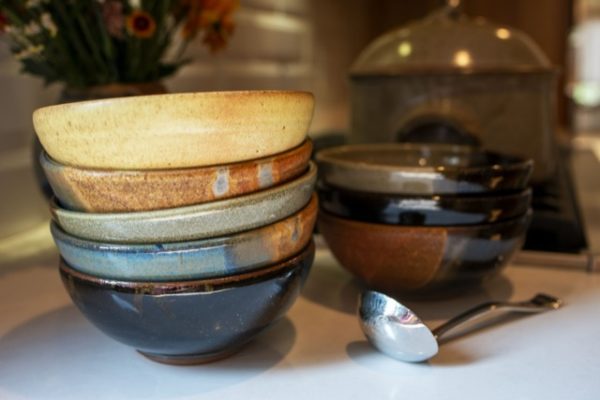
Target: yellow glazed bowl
[(174, 130)]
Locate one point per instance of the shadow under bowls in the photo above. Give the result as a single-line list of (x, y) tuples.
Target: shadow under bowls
[(441, 210), (97, 190), (192, 321), (422, 261), (421, 169), (201, 221), (197, 259)]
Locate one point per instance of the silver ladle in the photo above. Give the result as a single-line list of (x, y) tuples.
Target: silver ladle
[(397, 332)]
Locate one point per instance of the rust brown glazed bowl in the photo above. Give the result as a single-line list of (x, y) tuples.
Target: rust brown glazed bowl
[(422, 261), (198, 221), (103, 190), (189, 322)]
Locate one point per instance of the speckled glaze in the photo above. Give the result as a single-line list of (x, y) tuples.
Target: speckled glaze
[(190, 321), (421, 169), (190, 260), (174, 130), (440, 210), (206, 220), (91, 190), (422, 261)]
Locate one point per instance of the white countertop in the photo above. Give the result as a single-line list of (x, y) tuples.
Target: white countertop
[(49, 351)]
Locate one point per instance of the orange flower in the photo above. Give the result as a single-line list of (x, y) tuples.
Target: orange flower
[(140, 24), (217, 33), (212, 16)]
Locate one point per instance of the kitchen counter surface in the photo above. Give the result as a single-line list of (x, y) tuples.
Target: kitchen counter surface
[(49, 351)]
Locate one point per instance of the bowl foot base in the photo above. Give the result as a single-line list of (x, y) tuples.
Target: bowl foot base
[(191, 359)]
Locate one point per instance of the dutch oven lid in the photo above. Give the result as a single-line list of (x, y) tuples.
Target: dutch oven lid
[(449, 41)]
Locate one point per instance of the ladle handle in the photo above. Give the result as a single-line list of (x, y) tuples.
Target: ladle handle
[(484, 310)]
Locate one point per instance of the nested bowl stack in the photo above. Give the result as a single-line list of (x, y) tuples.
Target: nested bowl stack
[(422, 220), (184, 221)]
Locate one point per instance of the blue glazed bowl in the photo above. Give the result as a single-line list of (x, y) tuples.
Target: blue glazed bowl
[(190, 260), (191, 321)]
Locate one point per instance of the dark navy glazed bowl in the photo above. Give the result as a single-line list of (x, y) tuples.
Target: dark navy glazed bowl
[(440, 210), (189, 322)]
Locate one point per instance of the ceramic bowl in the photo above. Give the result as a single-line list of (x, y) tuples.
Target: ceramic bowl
[(218, 218), (422, 261), (94, 190), (189, 322), (174, 130), (190, 260), (440, 210), (422, 169)]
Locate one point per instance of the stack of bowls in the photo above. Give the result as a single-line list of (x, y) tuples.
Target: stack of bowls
[(184, 221), (422, 220)]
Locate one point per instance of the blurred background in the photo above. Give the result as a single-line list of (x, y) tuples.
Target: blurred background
[(308, 45)]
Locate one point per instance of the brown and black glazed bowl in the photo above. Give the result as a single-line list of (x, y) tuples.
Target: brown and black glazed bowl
[(422, 261), (442, 210), (422, 169), (113, 191), (189, 322)]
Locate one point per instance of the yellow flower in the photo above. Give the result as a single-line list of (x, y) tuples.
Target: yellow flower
[(48, 23), (140, 24)]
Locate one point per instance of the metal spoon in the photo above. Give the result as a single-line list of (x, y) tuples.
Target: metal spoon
[(397, 332)]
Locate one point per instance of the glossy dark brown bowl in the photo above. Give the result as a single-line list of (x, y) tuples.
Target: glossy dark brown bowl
[(422, 261), (189, 322), (439, 210), (422, 169)]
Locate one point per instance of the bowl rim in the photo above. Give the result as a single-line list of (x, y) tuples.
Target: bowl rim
[(329, 156), (47, 161), (207, 95), (453, 229), (454, 197), (196, 285)]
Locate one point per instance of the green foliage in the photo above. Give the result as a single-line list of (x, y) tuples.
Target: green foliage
[(84, 43)]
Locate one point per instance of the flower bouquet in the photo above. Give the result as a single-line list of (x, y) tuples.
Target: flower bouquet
[(86, 43)]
